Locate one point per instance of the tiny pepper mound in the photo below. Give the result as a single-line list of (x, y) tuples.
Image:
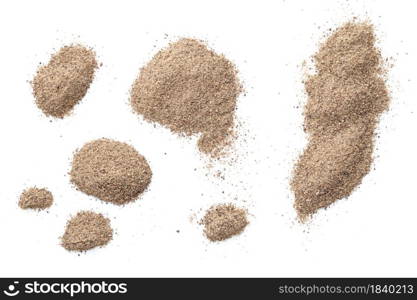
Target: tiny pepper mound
[(224, 221), (36, 198), (85, 231)]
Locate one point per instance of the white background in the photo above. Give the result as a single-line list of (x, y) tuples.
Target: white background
[(370, 234)]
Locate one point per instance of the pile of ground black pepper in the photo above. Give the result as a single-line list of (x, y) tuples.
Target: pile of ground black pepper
[(86, 230), (64, 81), (224, 221), (36, 198), (191, 90), (345, 99), (111, 171)]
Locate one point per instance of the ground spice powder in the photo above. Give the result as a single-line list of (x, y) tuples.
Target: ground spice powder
[(35, 198), (85, 231), (191, 90), (345, 99), (64, 81), (224, 221), (111, 171)]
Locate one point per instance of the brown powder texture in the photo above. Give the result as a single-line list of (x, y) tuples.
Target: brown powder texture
[(86, 230), (224, 221), (335, 103), (36, 198), (111, 171), (64, 81), (191, 90), (345, 99)]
